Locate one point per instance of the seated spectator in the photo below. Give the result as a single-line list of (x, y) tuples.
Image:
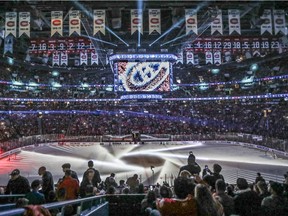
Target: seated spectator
[(33, 210), (34, 197), (226, 200), (184, 203), (206, 204), (247, 202), (21, 203), (275, 204)]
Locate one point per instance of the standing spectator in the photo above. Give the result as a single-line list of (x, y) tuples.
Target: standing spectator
[(206, 204), (184, 204), (17, 184), (34, 197), (276, 203), (121, 186), (192, 167), (149, 201), (259, 178), (47, 181), (69, 186), (110, 181), (262, 189), (67, 166), (211, 179), (133, 183), (96, 177), (247, 202), (226, 200), (88, 181)]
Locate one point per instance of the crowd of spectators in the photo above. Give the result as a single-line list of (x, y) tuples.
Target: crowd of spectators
[(191, 194)]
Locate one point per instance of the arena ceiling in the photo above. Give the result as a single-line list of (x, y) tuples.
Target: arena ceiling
[(171, 12)]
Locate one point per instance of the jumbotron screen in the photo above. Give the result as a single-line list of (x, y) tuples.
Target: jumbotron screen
[(142, 76)]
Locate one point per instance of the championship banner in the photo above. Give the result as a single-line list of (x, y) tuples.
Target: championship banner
[(179, 57), (94, 57), (154, 20), (217, 23), (8, 44), (74, 22), (99, 21), (267, 24), (83, 58), (64, 58), (279, 21), (10, 23), (191, 21), (209, 57), (217, 57), (57, 22), (55, 59), (190, 57), (24, 23), (234, 21), (136, 21)]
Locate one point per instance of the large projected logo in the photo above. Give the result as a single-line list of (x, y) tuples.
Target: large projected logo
[(143, 76)]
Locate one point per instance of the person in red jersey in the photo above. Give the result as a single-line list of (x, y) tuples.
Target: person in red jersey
[(70, 186)]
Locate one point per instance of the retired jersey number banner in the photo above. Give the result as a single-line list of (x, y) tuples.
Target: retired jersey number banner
[(57, 22), (99, 21), (154, 20), (24, 23), (136, 21), (191, 21), (74, 22), (234, 21), (10, 23)]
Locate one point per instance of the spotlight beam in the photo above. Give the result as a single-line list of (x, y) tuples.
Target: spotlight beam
[(113, 33), (102, 41), (169, 30)]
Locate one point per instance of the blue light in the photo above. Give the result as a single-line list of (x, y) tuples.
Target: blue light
[(55, 73), (10, 60), (254, 67), (215, 71)]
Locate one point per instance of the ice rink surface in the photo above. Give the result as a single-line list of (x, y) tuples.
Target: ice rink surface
[(128, 159)]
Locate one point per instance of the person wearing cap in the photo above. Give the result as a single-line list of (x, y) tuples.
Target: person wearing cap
[(275, 204), (17, 184), (192, 167), (67, 166), (47, 181), (34, 197)]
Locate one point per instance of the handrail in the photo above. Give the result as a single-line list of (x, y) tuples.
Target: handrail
[(54, 205)]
